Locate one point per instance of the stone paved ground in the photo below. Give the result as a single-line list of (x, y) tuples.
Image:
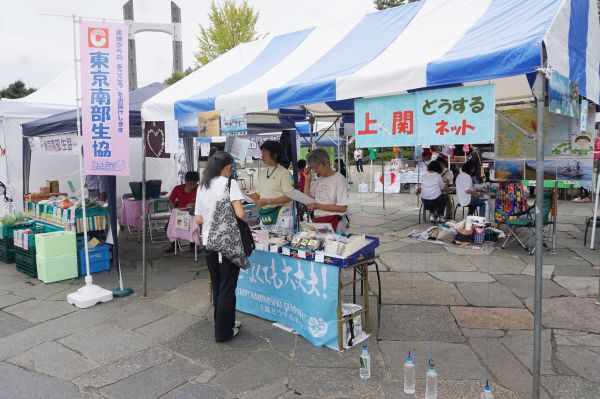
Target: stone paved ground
[(161, 347)]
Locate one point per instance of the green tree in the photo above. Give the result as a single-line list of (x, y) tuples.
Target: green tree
[(16, 89), (229, 25), (177, 76), (383, 4)]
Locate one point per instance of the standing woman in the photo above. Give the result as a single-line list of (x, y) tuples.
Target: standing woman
[(272, 184), (475, 156), (223, 273)]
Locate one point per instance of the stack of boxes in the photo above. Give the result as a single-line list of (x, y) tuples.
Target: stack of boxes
[(56, 256)]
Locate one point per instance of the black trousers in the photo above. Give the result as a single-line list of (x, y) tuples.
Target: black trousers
[(224, 278), (438, 205), (359, 165)]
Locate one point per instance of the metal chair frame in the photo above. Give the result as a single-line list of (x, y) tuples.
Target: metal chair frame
[(157, 219)]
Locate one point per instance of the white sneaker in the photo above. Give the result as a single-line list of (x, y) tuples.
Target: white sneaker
[(441, 220), (431, 219), (236, 331), (237, 324)]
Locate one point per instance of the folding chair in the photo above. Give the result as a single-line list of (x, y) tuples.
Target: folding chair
[(159, 214)]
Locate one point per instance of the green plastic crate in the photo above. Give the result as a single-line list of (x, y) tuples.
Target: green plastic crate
[(58, 243), (57, 268), (7, 250), (26, 261), (6, 231)]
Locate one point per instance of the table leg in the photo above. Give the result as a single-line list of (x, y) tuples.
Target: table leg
[(340, 324), (365, 268)]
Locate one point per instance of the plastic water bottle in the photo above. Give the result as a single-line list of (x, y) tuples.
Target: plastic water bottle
[(365, 363), (431, 382), (487, 392), (409, 376)]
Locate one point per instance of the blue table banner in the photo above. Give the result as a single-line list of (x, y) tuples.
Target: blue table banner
[(300, 294)]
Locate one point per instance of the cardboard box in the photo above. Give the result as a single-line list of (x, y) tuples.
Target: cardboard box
[(53, 186), (45, 190)]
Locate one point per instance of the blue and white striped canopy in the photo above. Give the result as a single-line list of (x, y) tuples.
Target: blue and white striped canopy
[(424, 44)]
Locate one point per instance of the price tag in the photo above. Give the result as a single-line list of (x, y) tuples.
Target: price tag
[(302, 254), (285, 251), (274, 249), (320, 257), (260, 246)]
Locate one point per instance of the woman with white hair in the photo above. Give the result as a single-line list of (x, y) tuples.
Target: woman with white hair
[(329, 190)]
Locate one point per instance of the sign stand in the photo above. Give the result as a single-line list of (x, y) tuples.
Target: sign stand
[(90, 294)]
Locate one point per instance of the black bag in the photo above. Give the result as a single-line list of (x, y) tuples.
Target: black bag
[(245, 231)]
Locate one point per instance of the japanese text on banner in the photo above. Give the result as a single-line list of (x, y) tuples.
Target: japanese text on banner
[(105, 98), (294, 292), (456, 115)]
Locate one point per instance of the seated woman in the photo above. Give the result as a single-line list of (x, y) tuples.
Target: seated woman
[(273, 182), (184, 196), (448, 179), (329, 190), (432, 187)]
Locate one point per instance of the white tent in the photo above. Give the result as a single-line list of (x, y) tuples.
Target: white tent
[(55, 97)]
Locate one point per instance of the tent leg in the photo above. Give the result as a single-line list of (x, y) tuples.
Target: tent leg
[(144, 275), (540, 95), (383, 178)]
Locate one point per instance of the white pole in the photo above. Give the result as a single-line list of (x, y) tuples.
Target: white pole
[(592, 243)]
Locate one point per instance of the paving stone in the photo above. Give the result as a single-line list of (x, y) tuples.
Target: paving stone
[(105, 344), (306, 354), (169, 280), (17, 383), (505, 367), (9, 299), (449, 389), (10, 324), (253, 324), (154, 382), (591, 255), (53, 329), (547, 271), (272, 391), (582, 361), (141, 312), (123, 368), (568, 313), (482, 333), (496, 318), (392, 245), (37, 311), (334, 382), (498, 264), (432, 262), (197, 343), (463, 277), (192, 297), (44, 291), (420, 247), (476, 294), (453, 361), (168, 327), (576, 271), (584, 287), (582, 338), (565, 387), (558, 260), (196, 391), (524, 286), (426, 290), (520, 343), (280, 340), (53, 359), (396, 324), (205, 377), (246, 376)]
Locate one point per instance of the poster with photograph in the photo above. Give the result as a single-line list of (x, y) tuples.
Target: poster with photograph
[(509, 169), (234, 122), (238, 148), (550, 166), (576, 169), (564, 96), (209, 124)]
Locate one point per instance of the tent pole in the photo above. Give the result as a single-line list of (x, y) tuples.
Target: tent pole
[(144, 276), (383, 179), (540, 95), (592, 243)]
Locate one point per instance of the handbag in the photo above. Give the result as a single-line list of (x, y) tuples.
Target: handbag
[(225, 235), (245, 231), (268, 216)]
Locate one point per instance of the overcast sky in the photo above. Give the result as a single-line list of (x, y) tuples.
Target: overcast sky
[(37, 48)]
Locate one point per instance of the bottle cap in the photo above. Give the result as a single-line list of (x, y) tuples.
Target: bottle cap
[(365, 347), (431, 367), (409, 359), (487, 388)]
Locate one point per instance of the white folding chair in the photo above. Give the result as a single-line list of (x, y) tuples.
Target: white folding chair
[(159, 214)]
